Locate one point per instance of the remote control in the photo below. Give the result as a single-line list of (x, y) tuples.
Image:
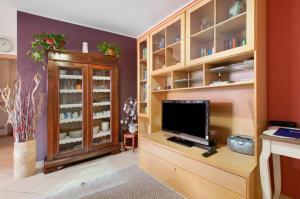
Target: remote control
[(209, 153)]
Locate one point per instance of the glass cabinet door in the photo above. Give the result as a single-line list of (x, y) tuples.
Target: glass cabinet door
[(101, 106), (70, 109)]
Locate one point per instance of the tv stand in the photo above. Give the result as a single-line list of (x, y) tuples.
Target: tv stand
[(189, 143)]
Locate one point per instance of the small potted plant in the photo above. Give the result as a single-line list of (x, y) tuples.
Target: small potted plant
[(109, 49), (43, 43), (130, 115), (24, 110)]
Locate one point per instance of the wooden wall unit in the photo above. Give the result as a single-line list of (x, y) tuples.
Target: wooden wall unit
[(82, 107), (224, 61)]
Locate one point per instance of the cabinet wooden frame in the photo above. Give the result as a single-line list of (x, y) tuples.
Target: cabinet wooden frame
[(87, 62)]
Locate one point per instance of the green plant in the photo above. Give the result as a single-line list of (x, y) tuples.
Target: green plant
[(43, 43), (104, 47)]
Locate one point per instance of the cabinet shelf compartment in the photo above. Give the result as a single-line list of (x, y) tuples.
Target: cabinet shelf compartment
[(231, 33), (202, 18), (143, 72), (225, 9), (143, 105), (159, 60), (159, 41), (173, 33), (230, 72), (143, 51), (192, 77), (162, 82), (202, 44), (173, 54)]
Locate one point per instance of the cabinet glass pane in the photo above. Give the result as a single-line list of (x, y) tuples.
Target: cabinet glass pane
[(101, 106), (143, 77), (202, 23), (71, 106), (231, 24)]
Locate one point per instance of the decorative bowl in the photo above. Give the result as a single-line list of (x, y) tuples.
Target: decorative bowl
[(75, 134)]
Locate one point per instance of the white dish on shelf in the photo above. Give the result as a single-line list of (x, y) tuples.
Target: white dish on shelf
[(96, 129), (63, 72), (75, 134), (62, 135)]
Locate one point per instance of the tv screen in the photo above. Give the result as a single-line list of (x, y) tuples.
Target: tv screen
[(188, 118)]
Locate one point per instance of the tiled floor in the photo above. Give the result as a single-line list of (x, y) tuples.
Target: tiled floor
[(40, 185)]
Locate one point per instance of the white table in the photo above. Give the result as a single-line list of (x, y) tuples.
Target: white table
[(276, 146)]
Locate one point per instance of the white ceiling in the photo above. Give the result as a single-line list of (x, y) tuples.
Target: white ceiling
[(125, 17)]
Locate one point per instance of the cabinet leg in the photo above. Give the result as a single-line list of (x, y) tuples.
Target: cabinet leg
[(265, 170), (277, 175)]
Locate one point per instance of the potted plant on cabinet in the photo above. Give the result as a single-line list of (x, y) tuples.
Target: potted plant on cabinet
[(130, 115), (24, 110), (43, 43), (109, 49)]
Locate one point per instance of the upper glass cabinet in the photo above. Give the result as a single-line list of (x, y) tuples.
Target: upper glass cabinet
[(218, 26), (168, 44)]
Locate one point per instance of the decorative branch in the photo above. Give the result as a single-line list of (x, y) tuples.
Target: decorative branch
[(23, 108)]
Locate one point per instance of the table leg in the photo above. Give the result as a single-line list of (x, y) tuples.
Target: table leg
[(265, 170), (277, 176)]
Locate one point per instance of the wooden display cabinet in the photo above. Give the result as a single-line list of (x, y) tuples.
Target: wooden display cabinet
[(167, 45), (82, 107)]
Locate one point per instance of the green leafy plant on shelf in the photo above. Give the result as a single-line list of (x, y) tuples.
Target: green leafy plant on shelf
[(43, 43), (109, 49)]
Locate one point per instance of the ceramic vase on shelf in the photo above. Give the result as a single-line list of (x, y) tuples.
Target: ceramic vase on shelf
[(105, 126), (85, 47), (132, 128), (24, 159)]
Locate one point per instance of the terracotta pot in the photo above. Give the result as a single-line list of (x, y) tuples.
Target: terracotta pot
[(24, 159), (110, 52)]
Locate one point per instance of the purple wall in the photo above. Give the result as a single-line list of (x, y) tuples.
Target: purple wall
[(29, 24)]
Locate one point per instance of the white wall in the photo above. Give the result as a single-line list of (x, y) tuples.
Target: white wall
[(8, 26)]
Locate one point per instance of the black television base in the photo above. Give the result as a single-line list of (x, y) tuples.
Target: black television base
[(189, 143)]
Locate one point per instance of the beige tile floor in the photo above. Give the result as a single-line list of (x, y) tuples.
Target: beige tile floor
[(40, 184)]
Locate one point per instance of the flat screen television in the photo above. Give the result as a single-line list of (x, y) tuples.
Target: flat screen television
[(187, 119)]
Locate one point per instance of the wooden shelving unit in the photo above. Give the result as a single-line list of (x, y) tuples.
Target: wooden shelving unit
[(222, 59)]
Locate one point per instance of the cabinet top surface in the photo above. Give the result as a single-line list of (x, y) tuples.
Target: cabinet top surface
[(225, 159)]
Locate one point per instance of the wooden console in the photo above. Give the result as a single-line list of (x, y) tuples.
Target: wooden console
[(223, 175)]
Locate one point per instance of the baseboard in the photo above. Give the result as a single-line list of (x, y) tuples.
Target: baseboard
[(39, 165)]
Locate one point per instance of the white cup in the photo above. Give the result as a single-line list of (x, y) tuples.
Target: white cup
[(105, 126)]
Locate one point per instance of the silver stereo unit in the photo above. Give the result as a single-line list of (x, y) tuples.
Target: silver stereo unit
[(241, 144)]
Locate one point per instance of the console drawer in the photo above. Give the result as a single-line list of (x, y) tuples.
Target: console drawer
[(183, 181), (196, 169)]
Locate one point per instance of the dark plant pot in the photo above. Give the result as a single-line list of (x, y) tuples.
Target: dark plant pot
[(110, 52)]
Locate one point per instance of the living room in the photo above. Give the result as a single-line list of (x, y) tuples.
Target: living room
[(149, 99)]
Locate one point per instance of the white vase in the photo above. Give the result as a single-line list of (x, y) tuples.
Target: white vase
[(132, 127), (85, 47), (24, 159)]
